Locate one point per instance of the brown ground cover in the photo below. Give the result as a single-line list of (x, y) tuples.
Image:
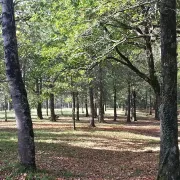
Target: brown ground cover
[(108, 151)]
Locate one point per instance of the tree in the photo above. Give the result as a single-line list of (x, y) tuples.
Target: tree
[(18, 93), (169, 167)]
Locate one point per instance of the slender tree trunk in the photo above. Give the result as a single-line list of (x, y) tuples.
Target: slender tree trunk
[(47, 107), (150, 103), (26, 147), (53, 116), (134, 105), (5, 107), (61, 106), (92, 124), (77, 106), (73, 110), (95, 109), (86, 107), (115, 110), (39, 110), (39, 105), (169, 167), (101, 104), (146, 102), (129, 104)]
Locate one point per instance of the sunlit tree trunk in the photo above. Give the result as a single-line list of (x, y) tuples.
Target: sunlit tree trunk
[(169, 167), (26, 147)]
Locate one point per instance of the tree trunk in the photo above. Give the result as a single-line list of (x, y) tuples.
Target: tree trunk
[(134, 105), (47, 107), (61, 106), (77, 106), (92, 124), (86, 107), (115, 110), (95, 109), (129, 104), (26, 147), (53, 116), (169, 167), (73, 110), (146, 102), (39, 105), (101, 104), (5, 107), (157, 104), (39, 110), (150, 103)]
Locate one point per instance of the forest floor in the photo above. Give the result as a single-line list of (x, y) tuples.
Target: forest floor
[(113, 150)]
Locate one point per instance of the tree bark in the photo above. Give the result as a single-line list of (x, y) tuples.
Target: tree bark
[(157, 104), (26, 147), (91, 96), (169, 167), (51, 99)]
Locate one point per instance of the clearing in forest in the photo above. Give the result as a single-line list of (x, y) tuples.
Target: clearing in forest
[(113, 150)]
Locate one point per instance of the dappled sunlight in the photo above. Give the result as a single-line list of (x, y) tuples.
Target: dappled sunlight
[(109, 150)]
